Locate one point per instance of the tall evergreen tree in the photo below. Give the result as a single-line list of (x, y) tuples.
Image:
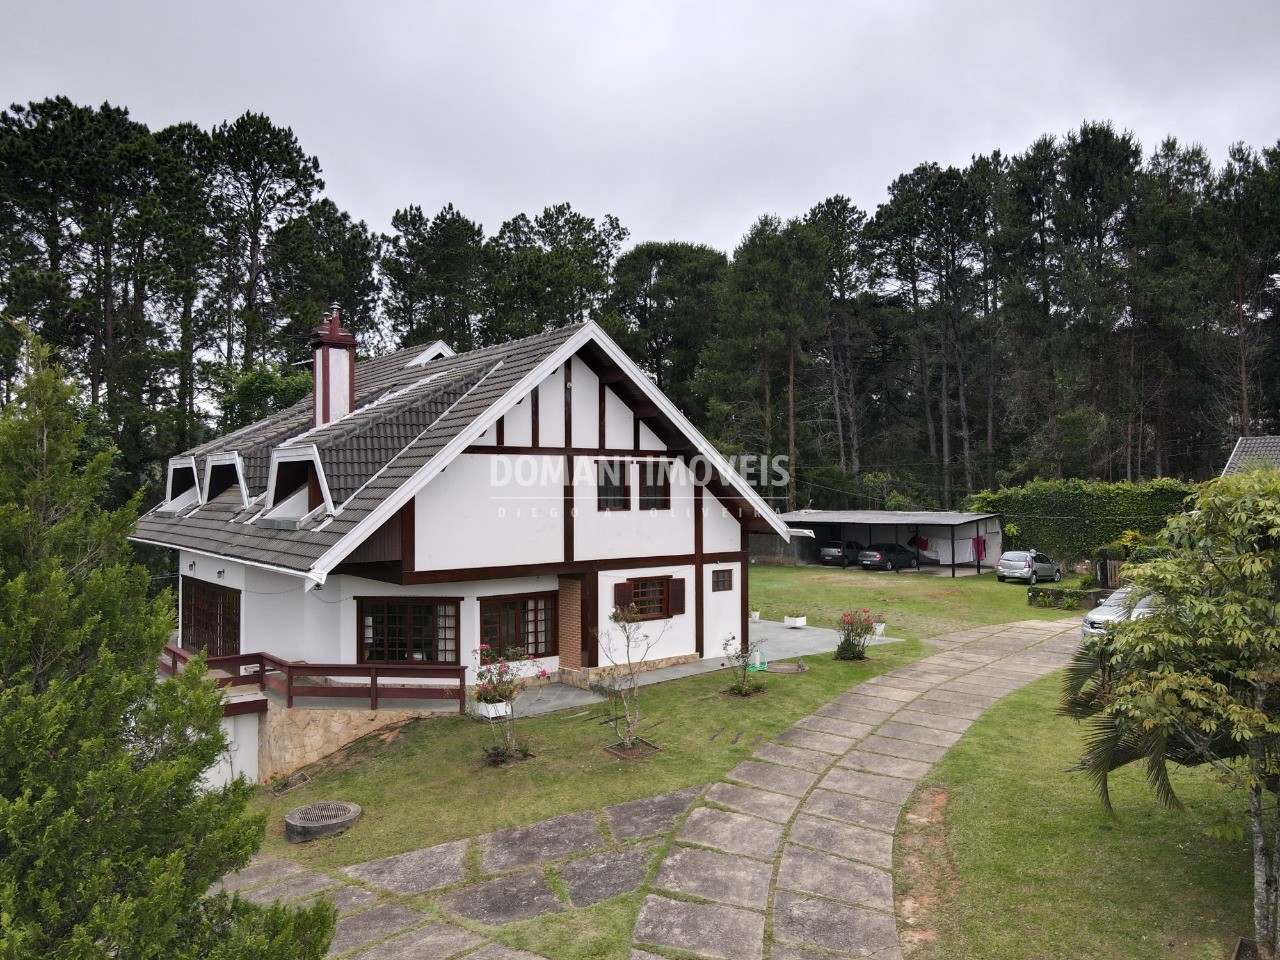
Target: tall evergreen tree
[(319, 258), (109, 839), (262, 178), (661, 306), (435, 278)]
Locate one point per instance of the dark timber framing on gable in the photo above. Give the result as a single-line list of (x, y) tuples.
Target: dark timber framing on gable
[(714, 491)]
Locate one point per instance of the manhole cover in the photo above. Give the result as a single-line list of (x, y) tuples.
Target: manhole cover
[(317, 820)]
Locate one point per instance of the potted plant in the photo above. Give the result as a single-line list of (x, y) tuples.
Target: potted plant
[(795, 619), (499, 681), (755, 614)]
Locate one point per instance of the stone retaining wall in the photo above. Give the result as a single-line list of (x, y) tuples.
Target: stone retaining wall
[(289, 739), (585, 677)]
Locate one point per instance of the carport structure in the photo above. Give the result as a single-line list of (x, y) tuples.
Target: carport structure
[(949, 537)]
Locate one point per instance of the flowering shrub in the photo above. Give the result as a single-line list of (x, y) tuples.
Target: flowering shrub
[(500, 679), (856, 628)]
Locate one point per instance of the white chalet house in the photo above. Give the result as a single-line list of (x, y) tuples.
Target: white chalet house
[(368, 540)]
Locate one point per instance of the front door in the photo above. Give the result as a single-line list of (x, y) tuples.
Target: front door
[(210, 618)]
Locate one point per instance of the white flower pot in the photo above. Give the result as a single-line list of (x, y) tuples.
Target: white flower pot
[(492, 711), (879, 629), (755, 614), (796, 621)]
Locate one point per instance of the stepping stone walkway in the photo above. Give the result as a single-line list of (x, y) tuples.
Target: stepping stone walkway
[(796, 841), (802, 834)]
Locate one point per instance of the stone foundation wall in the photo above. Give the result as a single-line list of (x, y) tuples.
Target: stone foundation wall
[(584, 678), (289, 739)]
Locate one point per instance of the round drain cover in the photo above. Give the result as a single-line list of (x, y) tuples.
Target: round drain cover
[(317, 820)]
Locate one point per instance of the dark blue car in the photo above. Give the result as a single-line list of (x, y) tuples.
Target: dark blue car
[(887, 556)]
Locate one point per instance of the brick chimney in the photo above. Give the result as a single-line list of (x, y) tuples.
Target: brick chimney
[(335, 368)]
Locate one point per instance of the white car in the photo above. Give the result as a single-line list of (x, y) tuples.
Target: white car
[(1115, 608)]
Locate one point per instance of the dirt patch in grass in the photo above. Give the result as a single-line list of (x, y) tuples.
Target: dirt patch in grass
[(927, 878)]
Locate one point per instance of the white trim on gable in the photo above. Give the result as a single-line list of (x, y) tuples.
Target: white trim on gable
[(472, 432), (434, 352)]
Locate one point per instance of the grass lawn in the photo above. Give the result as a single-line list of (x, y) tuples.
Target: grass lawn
[(915, 607), (425, 783), (1010, 856)]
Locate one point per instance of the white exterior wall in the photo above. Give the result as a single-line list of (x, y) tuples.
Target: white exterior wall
[(619, 424), (518, 424), (673, 637), (241, 756), (722, 612), (649, 440), (586, 406), (551, 410), (721, 530), (468, 517), (607, 534)]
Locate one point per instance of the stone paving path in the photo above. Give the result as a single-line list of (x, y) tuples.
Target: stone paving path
[(791, 855)]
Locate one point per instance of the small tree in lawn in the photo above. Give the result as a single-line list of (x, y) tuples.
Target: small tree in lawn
[(739, 657), (627, 645), (109, 839), (1198, 681), (501, 679)]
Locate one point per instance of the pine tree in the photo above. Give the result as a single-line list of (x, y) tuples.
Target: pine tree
[(109, 839)]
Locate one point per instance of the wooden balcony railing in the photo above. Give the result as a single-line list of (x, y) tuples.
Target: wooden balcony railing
[(267, 672)]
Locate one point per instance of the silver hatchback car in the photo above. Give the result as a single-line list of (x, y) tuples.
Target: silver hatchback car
[(1029, 565), (1114, 609)]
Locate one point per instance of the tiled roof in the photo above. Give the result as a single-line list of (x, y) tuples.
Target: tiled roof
[(404, 415), (1251, 453)]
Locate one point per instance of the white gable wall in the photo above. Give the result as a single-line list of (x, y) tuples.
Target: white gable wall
[(619, 424), (722, 612), (551, 410), (477, 514), (608, 534), (721, 530), (586, 406)]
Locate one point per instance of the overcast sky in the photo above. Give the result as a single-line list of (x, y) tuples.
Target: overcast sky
[(685, 119)]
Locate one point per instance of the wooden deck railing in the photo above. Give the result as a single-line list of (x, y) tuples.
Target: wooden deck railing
[(268, 672)]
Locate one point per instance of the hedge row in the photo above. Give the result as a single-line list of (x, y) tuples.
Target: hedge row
[(1064, 599), (1070, 519)]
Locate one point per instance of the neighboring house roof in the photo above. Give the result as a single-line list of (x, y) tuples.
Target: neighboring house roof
[(1250, 453), (410, 419), (887, 518)]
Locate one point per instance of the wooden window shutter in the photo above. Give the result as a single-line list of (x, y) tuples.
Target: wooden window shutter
[(677, 597), (622, 594)]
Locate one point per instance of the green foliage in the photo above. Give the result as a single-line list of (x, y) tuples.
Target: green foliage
[(250, 395), (1070, 519), (1195, 681), (109, 838), (435, 277), (1061, 598)]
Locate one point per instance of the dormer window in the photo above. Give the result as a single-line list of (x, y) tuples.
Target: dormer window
[(181, 490), (296, 488), (222, 471), (434, 352)]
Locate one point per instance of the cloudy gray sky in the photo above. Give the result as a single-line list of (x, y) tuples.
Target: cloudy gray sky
[(685, 119)]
